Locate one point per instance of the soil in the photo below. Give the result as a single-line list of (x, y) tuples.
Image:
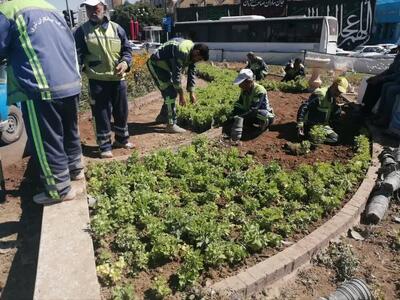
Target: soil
[(270, 145), (20, 225), (379, 264), (149, 136), (20, 219)]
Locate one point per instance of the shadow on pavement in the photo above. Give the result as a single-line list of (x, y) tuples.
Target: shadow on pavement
[(21, 278)]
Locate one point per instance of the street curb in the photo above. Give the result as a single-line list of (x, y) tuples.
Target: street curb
[(265, 273), (66, 267)]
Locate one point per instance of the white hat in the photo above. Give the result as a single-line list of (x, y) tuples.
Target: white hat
[(93, 2), (244, 74)]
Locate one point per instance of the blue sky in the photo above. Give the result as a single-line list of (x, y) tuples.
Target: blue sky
[(73, 4), (60, 4)]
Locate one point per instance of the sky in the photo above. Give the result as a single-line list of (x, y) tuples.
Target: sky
[(60, 4), (73, 4)]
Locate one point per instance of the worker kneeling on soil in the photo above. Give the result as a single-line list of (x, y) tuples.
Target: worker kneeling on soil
[(166, 66), (292, 70), (322, 109), (252, 109), (257, 65)]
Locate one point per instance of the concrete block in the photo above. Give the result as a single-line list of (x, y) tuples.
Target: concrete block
[(66, 266)]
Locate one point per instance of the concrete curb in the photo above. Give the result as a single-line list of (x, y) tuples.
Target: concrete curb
[(66, 266), (257, 277)]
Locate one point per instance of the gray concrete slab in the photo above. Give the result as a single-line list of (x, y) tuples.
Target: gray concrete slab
[(66, 267)]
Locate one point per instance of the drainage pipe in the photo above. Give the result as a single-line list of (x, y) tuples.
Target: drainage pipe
[(354, 289)]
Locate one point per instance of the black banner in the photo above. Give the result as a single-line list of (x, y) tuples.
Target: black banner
[(266, 8), (206, 13), (355, 17)]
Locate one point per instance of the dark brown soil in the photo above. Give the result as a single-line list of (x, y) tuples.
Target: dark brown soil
[(148, 136), (269, 146), (20, 225), (20, 219), (379, 265)]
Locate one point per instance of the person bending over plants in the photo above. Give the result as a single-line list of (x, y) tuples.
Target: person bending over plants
[(252, 109), (321, 109), (166, 66), (292, 70), (257, 65)]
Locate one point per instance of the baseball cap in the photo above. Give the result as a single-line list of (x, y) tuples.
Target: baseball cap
[(342, 84), (244, 74), (93, 2)]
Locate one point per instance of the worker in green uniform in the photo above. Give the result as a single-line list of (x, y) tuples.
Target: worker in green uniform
[(166, 66), (321, 109), (257, 65), (252, 109)]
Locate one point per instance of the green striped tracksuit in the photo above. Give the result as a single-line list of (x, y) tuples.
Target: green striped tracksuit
[(43, 74), (166, 66)]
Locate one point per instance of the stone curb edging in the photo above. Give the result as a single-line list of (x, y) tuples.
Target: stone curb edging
[(66, 267), (259, 276)]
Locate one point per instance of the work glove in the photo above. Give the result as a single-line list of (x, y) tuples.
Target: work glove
[(300, 129)]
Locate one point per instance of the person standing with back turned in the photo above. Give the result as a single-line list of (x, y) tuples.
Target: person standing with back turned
[(43, 74), (104, 50)]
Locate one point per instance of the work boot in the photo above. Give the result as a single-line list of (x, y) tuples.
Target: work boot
[(74, 175), (106, 154), (128, 145), (173, 128), (44, 199)]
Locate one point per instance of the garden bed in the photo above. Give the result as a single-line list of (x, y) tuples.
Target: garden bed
[(170, 221), (173, 220)]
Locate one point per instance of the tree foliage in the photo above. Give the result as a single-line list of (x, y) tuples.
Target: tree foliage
[(142, 12)]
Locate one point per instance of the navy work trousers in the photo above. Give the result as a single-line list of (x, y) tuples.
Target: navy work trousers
[(52, 128), (109, 98)]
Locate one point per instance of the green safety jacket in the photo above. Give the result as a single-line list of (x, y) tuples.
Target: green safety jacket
[(319, 109), (257, 65), (174, 56), (256, 100), (104, 51)]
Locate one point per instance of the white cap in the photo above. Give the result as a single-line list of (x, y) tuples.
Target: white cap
[(244, 74), (93, 2)]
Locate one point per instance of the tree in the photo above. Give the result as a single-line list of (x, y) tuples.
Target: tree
[(142, 12)]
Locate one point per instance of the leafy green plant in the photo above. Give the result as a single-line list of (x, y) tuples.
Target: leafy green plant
[(124, 292), (317, 134), (160, 288), (111, 273), (339, 257), (205, 206), (189, 272), (300, 84)]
